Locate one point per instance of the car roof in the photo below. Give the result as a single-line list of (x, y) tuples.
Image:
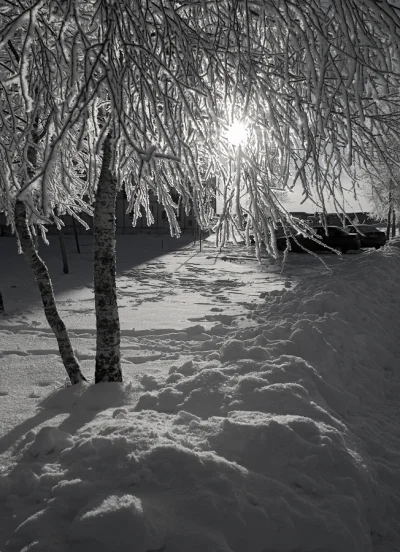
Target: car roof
[(362, 226), (328, 226), (359, 224)]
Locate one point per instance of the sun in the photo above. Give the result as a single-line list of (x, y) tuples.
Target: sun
[(237, 133)]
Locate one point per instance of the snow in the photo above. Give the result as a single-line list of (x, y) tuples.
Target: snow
[(258, 412)]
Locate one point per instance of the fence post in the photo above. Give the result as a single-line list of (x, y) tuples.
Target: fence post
[(393, 223), (63, 252)]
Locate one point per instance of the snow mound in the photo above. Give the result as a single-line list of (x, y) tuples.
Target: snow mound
[(48, 440), (134, 521), (241, 483), (268, 445), (88, 397)]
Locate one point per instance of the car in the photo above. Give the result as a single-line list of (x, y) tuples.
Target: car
[(279, 233), (335, 238), (369, 235)]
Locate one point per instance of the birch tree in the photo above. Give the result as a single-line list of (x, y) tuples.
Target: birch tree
[(30, 196), (162, 95)]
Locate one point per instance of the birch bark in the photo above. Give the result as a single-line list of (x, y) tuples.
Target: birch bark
[(43, 280), (108, 358)]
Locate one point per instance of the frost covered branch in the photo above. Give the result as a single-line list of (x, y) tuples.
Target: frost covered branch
[(316, 84)]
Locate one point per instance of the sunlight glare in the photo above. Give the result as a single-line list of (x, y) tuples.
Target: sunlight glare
[(237, 134)]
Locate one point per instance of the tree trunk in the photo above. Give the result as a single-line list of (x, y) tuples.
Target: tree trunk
[(42, 278), (389, 218), (1, 304), (393, 224), (63, 251), (108, 358), (76, 235)]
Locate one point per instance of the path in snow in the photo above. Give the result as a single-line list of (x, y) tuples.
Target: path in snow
[(165, 286), (157, 288)]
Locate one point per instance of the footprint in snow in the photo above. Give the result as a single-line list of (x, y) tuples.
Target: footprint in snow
[(44, 383)]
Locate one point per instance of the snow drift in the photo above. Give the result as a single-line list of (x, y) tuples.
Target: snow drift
[(274, 437)]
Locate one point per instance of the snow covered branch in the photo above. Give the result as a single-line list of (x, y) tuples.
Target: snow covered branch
[(314, 83)]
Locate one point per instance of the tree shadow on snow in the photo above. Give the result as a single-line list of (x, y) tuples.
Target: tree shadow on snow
[(20, 430), (80, 403), (19, 287)]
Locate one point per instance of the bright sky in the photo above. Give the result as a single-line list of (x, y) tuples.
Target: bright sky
[(295, 203), (296, 198), (238, 134)]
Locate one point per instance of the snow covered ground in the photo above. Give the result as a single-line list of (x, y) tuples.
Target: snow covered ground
[(259, 411)]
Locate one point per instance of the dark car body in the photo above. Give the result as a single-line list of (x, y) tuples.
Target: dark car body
[(336, 238), (369, 235)]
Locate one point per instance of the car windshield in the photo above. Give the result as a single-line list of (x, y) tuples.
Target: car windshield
[(365, 228), (332, 231)]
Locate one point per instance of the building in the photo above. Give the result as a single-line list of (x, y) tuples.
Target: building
[(187, 222)]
